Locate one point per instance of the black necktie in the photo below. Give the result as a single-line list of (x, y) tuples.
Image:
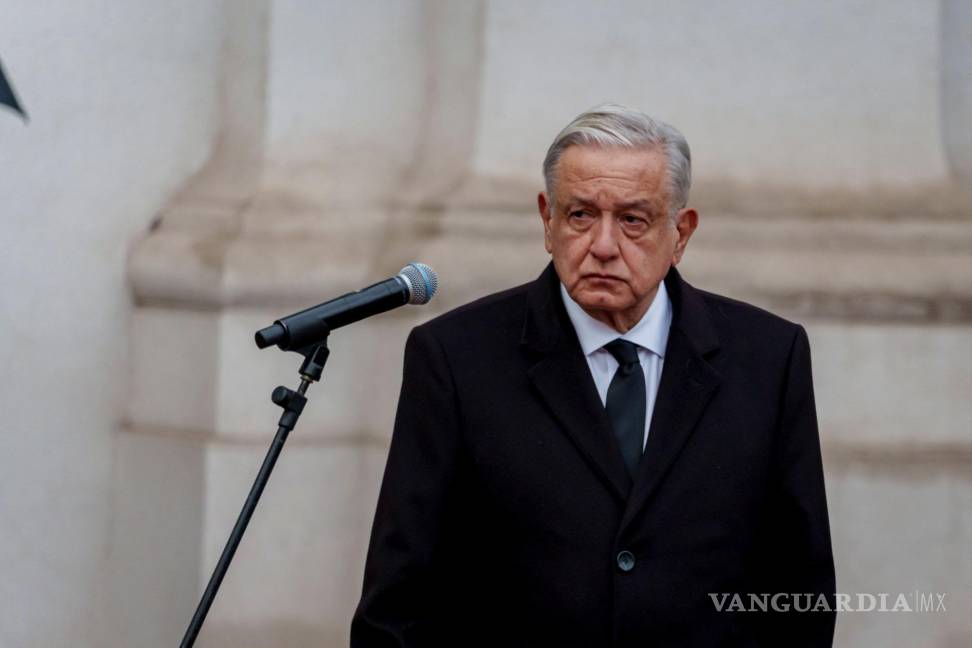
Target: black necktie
[(626, 402)]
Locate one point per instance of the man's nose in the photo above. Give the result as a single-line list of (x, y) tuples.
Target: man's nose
[(605, 243)]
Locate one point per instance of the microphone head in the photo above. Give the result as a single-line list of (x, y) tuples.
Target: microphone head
[(422, 282)]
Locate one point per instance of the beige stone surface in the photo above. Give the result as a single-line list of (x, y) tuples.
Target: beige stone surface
[(808, 94), (175, 361), (297, 575), (155, 573), (895, 531), (900, 387)]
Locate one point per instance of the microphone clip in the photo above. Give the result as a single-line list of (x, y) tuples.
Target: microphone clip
[(315, 356)]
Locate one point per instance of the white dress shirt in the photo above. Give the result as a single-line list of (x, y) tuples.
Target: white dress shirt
[(650, 334)]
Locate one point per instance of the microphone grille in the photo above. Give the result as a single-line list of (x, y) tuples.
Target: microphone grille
[(422, 281)]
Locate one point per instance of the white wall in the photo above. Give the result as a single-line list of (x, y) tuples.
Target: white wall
[(344, 95), (834, 94), (121, 97)]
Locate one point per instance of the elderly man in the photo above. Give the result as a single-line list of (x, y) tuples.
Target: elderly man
[(606, 455)]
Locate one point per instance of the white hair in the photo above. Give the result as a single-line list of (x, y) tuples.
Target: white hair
[(612, 124)]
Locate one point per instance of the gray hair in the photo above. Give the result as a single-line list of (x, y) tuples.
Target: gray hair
[(612, 124)]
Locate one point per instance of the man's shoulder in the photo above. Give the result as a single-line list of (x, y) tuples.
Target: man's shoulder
[(501, 315)]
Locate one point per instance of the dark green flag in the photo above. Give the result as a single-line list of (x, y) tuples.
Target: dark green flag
[(7, 96)]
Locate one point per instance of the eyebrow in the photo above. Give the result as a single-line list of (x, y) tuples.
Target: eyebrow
[(642, 205)]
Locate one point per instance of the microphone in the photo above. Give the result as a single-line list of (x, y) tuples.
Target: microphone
[(416, 283)]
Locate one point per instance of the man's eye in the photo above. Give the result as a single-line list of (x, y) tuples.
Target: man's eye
[(580, 217), (630, 219)]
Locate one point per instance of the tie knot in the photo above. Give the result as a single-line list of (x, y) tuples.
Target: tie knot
[(626, 353)]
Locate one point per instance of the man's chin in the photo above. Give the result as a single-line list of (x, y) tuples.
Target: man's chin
[(598, 300)]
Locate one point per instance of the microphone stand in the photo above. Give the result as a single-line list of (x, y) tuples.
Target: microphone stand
[(292, 403)]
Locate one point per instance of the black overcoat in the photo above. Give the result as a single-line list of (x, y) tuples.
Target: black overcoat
[(506, 516)]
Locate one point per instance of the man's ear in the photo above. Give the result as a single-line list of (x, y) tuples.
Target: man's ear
[(544, 206), (686, 221)]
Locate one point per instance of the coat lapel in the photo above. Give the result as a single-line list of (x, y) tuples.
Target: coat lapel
[(560, 374), (687, 384)]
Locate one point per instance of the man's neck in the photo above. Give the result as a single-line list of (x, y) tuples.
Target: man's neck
[(624, 321)]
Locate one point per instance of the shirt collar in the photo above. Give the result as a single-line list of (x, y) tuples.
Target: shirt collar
[(651, 332)]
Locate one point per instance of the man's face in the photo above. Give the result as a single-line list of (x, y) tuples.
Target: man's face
[(609, 229)]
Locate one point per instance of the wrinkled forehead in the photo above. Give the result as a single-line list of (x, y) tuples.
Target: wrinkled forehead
[(650, 159), (595, 174)]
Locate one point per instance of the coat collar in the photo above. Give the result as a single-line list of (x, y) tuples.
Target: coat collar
[(547, 322), (563, 380)]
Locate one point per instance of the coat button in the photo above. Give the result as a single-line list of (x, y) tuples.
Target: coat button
[(626, 561)]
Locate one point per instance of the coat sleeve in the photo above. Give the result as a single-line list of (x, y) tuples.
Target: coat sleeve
[(400, 603), (797, 558)]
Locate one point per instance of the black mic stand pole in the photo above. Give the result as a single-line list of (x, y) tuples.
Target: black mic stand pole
[(292, 403)]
